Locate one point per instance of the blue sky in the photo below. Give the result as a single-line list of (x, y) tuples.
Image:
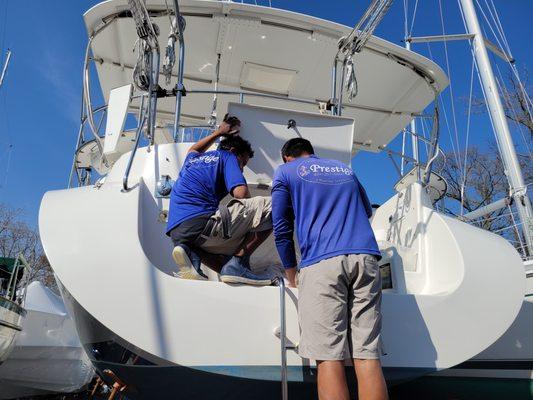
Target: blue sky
[(40, 100)]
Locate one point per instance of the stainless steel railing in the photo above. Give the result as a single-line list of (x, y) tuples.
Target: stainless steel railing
[(283, 339)]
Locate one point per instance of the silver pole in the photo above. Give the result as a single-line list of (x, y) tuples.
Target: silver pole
[(181, 68), (338, 109), (489, 208), (414, 138), (152, 115), (4, 70), (213, 118), (282, 337), (334, 86), (501, 128)]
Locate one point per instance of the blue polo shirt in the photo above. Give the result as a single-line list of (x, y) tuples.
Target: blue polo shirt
[(204, 180), (329, 206)]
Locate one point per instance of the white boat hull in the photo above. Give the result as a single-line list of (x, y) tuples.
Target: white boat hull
[(511, 356), (113, 259), (47, 356), (11, 317)]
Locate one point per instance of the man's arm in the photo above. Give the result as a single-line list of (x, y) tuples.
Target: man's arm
[(234, 178), (291, 276), (283, 222), (241, 192), (204, 144)]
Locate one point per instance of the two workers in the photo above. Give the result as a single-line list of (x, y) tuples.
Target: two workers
[(322, 201)]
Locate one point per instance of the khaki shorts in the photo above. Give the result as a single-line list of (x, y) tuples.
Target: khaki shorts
[(247, 215), (339, 308)]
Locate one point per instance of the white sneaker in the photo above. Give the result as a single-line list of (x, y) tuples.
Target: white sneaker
[(185, 265)]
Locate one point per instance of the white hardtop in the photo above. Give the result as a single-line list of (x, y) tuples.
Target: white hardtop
[(268, 50)]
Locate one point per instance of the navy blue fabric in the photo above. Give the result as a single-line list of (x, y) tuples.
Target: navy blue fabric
[(204, 180), (329, 206)]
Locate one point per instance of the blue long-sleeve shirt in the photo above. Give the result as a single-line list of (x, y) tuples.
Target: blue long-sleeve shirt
[(329, 206)]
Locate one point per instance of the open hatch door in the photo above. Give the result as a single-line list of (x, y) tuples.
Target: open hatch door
[(268, 129)]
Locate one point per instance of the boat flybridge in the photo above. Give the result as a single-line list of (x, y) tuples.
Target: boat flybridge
[(284, 75)]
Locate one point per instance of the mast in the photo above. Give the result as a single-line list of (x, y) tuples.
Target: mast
[(4, 70), (501, 128)]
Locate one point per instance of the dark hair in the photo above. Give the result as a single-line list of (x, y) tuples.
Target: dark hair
[(295, 147), (239, 145)]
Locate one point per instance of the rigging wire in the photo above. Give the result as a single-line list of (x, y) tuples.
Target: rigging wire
[(505, 95), (502, 90), (413, 20), (355, 41), (445, 113), (497, 23), (405, 18), (425, 131), (452, 102), (512, 65), (505, 45), (463, 181), (499, 27), (517, 232), (4, 115), (408, 28), (4, 28), (470, 42)]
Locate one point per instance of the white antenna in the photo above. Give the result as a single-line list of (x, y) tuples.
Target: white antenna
[(4, 70), (499, 121)]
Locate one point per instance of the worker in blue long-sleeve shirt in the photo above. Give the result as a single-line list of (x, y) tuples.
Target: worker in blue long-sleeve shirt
[(339, 281)]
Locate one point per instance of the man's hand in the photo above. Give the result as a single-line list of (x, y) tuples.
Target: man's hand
[(291, 276), (229, 126), (224, 129)]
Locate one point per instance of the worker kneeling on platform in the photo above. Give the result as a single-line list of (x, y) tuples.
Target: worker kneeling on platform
[(222, 236), (339, 282)]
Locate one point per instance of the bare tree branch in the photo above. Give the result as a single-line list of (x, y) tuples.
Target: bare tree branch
[(16, 237)]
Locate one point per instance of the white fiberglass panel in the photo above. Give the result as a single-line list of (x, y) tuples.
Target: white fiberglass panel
[(268, 129)]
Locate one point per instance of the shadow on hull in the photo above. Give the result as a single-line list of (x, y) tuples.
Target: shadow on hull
[(148, 377)]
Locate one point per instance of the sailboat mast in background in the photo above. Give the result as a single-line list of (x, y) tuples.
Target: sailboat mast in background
[(4, 70), (499, 122)]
